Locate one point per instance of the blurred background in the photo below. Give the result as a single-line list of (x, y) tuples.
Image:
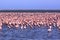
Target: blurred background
[(30, 4)]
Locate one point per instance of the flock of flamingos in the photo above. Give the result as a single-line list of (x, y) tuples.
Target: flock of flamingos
[(23, 19)]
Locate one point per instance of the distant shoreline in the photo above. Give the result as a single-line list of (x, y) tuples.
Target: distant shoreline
[(29, 10)]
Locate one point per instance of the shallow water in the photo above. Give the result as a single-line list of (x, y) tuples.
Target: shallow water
[(35, 33)]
